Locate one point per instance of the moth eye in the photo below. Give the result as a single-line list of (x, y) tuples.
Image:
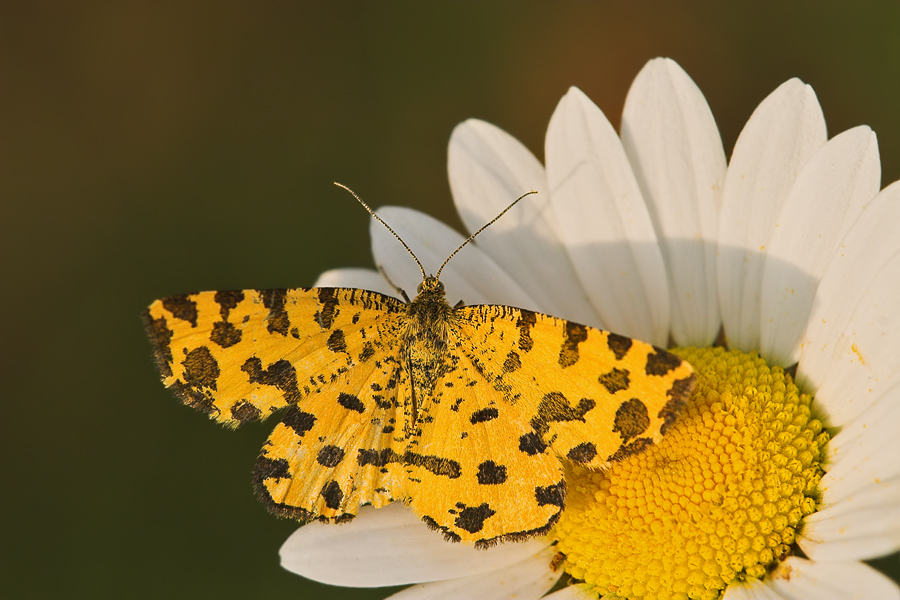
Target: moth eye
[(419, 288)]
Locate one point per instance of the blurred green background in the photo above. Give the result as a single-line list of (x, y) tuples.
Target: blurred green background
[(148, 149)]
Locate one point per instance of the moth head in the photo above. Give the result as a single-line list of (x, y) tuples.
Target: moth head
[(431, 284)]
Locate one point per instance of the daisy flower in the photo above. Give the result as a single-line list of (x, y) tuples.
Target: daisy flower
[(782, 474)]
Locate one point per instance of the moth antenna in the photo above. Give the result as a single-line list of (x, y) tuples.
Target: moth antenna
[(483, 227), (394, 233)]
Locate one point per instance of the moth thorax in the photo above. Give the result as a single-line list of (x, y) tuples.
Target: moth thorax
[(429, 309), (430, 320)]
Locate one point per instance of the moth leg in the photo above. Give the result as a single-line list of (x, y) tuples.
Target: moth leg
[(397, 289)]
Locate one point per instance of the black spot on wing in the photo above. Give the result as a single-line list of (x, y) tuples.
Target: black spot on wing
[(632, 419), (626, 450), (568, 353), (200, 368), (227, 300), (161, 339), (351, 402), (368, 352), (582, 453), (512, 362), (244, 412), (267, 468), (195, 397), (377, 458), (330, 456), (531, 444), (616, 380), (555, 407), (225, 334), (380, 401), (328, 307), (443, 467), (679, 394), (525, 322), (490, 473), (551, 495), (277, 318), (336, 341), (182, 307), (472, 518), (619, 345), (344, 518), (485, 414), (280, 374), (298, 420), (660, 362), (332, 494)]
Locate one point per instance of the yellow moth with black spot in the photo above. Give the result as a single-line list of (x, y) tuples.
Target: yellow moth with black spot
[(461, 412)]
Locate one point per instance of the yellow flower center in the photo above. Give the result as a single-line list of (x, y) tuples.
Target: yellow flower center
[(719, 500)]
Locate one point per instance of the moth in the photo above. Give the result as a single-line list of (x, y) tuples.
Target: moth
[(461, 412)]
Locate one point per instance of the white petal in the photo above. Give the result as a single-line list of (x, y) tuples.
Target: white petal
[(863, 525), (751, 590), (366, 279), (390, 546), (865, 355), (783, 133), (472, 276), (489, 169), (604, 221), (865, 452), (672, 141), (828, 196), (528, 579), (800, 579), (846, 374)]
